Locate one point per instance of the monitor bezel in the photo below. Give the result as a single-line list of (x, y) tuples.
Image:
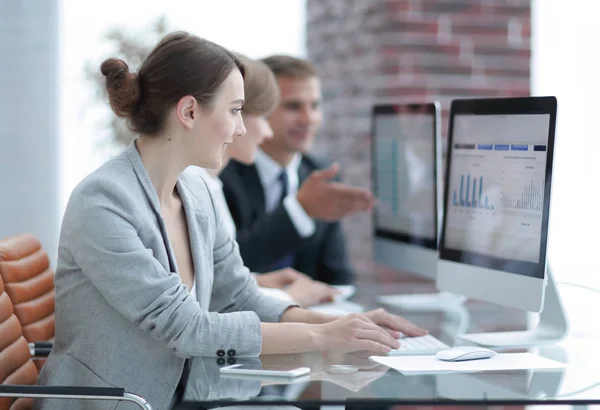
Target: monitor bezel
[(432, 108), (502, 106)]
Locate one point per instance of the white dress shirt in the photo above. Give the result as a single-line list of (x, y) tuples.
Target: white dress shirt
[(269, 171), (216, 188)]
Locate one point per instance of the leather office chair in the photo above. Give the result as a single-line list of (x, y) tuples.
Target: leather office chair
[(29, 282), (18, 373), (16, 366)]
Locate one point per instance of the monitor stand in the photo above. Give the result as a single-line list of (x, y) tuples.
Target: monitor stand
[(422, 302), (551, 328)]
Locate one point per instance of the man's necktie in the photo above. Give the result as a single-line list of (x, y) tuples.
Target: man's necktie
[(288, 260)]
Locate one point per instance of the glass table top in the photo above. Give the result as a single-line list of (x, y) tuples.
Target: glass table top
[(578, 383)]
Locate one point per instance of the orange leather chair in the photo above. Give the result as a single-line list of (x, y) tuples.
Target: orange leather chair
[(29, 281), (16, 366), (18, 373)]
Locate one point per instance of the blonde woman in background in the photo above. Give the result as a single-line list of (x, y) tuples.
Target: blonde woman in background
[(261, 98)]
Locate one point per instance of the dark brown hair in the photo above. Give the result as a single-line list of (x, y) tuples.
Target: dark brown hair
[(288, 66), (260, 87), (181, 64)]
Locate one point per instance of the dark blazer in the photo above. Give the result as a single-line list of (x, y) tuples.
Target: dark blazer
[(265, 238)]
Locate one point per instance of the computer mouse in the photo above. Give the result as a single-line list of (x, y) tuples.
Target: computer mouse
[(461, 353)]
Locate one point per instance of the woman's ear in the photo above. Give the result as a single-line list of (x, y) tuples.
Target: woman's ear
[(187, 111)]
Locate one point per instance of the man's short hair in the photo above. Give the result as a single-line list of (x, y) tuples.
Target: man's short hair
[(288, 66)]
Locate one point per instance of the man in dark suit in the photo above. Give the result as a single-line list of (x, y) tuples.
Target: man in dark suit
[(287, 205)]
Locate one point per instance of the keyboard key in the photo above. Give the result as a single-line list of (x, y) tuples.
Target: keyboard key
[(420, 345)]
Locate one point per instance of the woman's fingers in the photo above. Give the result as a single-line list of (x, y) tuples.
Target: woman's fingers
[(379, 337), (372, 346)]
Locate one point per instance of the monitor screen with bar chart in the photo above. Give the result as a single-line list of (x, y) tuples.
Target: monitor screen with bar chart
[(496, 210), (497, 184)]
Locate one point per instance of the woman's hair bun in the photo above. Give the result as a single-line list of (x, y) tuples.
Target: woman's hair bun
[(121, 85)]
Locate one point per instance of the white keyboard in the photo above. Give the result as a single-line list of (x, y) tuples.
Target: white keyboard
[(420, 345)]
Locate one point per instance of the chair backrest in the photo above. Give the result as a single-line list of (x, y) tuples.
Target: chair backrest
[(16, 366), (29, 282)]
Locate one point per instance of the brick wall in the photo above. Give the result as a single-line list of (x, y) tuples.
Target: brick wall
[(378, 51)]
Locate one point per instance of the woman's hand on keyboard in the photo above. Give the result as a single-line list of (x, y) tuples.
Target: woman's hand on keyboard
[(394, 323), (352, 333)]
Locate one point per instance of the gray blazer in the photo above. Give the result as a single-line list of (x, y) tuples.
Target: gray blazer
[(123, 316)]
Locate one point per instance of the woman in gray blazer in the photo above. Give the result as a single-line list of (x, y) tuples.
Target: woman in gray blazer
[(147, 274)]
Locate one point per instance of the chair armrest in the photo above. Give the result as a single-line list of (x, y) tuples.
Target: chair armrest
[(37, 352), (62, 390), (40, 349), (73, 392), (43, 344)]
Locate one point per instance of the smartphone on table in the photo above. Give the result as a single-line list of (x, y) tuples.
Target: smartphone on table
[(256, 369)]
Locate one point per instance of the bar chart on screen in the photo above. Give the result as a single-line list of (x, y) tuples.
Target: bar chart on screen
[(499, 196), (516, 197), (471, 189)]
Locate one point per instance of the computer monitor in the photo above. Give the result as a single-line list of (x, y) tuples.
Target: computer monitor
[(496, 211), (406, 157)]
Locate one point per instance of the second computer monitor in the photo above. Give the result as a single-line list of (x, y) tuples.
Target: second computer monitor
[(406, 157)]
